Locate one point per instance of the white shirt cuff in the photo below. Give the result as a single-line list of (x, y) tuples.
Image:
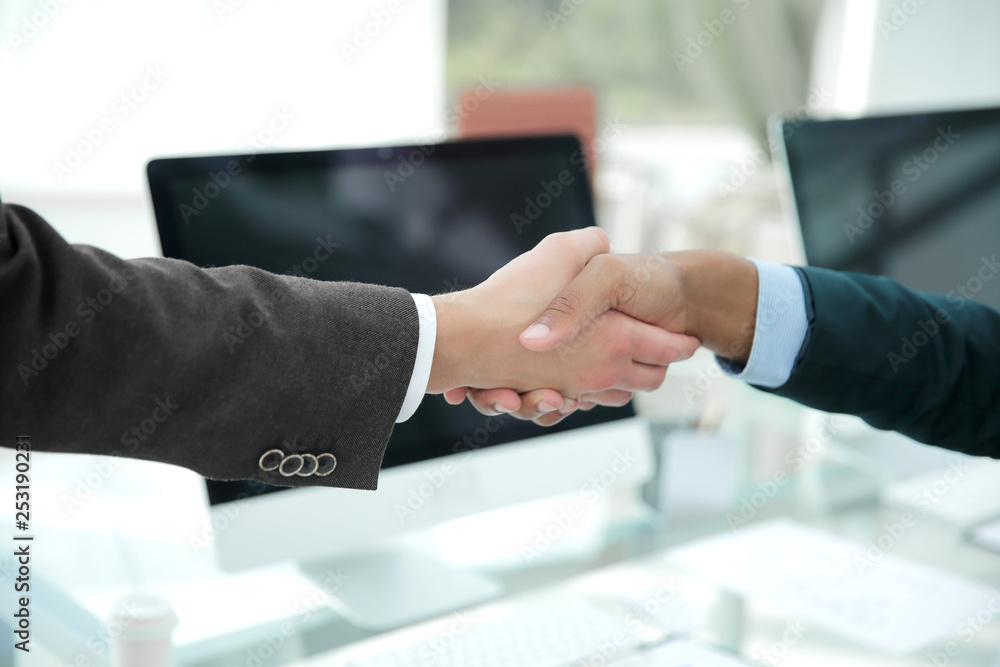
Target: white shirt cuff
[(780, 329), (425, 356)]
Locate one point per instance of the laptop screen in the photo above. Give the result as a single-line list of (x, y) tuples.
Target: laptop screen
[(430, 219), (913, 197)]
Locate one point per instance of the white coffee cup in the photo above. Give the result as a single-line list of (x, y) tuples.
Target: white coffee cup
[(143, 624)]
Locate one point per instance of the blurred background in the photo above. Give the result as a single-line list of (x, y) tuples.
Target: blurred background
[(672, 100), (676, 95)]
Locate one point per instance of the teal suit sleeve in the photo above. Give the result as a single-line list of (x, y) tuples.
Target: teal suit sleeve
[(927, 366)]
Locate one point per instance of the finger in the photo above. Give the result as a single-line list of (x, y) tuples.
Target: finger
[(642, 377), (495, 401), (584, 244), (658, 347), (591, 293), (551, 418), (456, 396), (544, 401), (611, 397)]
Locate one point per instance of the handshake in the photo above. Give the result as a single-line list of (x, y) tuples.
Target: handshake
[(569, 325)]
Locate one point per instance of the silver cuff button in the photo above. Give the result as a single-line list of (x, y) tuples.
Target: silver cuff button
[(291, 465), (271, 460), (309, 465), (326, 464)]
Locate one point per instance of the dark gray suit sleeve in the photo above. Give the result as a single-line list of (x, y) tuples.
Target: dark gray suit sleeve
[(927, 366), (203, 368)]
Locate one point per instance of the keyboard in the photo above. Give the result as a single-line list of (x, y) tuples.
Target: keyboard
[(683, 653), (963, 495), (861, 591), (540, 631)]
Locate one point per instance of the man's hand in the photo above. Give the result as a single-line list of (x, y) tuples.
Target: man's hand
[(709, 295), (477, 343)]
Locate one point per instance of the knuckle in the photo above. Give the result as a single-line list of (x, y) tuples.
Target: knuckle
[(608, 265), (567, 304), (601, 379), (620, 398), (656, 381), (619, 348), (615, 273)]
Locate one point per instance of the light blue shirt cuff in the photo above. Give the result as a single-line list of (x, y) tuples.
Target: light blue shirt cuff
[(780, 329), (424, 359)]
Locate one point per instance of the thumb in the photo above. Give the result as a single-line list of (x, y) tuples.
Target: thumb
[(594, 291)]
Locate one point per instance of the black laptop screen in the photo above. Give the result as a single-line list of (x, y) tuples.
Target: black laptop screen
[(914, 197), (431, 219)]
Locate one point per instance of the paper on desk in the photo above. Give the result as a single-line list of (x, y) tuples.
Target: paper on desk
[(888, 603), (682, 653)]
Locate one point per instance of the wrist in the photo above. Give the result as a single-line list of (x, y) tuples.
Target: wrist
[(455, 361), (719, 292)]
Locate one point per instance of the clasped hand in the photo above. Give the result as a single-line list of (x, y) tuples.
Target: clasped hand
[(494, 348)]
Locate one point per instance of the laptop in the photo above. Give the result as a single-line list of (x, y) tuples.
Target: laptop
[(429, 218), (915, 197)]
